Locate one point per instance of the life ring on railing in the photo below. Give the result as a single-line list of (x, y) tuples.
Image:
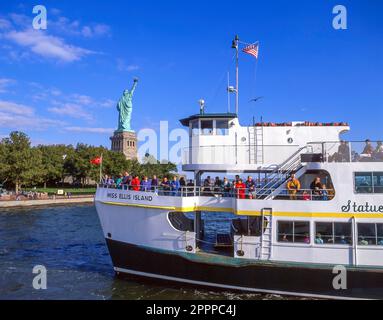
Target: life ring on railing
[(240, 253), (189, 248)]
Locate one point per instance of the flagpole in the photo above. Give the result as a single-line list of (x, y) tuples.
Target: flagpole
[(101, 167), (236, 73)]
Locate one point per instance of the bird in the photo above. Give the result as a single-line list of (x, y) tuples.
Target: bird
[(255, 99)]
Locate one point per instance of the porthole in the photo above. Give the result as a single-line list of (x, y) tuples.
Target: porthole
[(290, 140)]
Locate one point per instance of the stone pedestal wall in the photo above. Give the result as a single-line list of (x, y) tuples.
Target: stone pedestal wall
[(125, 142)]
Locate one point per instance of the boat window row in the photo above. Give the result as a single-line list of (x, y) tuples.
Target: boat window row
[(328, 233), (369, 182), (210, 127)]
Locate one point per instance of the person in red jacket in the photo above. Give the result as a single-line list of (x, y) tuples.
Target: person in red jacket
[(135, 184), (241, 189)]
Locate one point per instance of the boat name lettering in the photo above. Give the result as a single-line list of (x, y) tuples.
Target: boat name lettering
[(127, 196), (367, 207)]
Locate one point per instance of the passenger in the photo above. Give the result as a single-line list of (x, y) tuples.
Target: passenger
[(324, 193), (380, 242), (126, 179), (165, 185), (306, 196), (226, 187), (318, 239), (183, 186), (218, 186), (135, 184), (146, 184), (293, 186), (240, 189), (190, 188), (207, 186), (250, 186), (105, 180), (175, 186), (284, 238), (367, 151), (154, 183), (343, 240), (344, 152), (306, 239), (119, 181), (363, 242), (378, 153), (316, 187), (110, 181)]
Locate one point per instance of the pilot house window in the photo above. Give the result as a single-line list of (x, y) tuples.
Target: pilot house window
[(222, 127), (207, 127)]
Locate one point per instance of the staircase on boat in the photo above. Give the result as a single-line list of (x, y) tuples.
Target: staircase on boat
[(276, 179)]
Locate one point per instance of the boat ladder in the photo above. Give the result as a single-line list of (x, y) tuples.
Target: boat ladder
[(267, 234), (256, 145)]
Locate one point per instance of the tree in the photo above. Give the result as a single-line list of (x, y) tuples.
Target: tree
[(53, 160), (20, 164)]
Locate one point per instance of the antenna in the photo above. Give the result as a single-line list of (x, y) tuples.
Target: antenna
[(228, 92), (201, 106), (235, 46)]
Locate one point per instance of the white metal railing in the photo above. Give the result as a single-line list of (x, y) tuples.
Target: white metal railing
[(239, 193), (349, 151)]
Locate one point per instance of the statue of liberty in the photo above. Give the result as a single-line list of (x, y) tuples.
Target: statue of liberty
[(125, 108)]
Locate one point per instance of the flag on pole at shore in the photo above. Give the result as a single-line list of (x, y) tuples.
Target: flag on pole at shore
[(97, 161), (252, 49)]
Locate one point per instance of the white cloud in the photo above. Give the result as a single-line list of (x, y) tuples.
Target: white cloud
[(122, 66), (90, 130), (108, 103), (82, 99), (20, 117), (21, 122), (5, 83), (71, 110), (15, 108), (47, 46), (5, 24), (75, 28)]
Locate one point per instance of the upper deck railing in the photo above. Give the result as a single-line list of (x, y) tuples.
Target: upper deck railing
[(221, 192), (349, 151)]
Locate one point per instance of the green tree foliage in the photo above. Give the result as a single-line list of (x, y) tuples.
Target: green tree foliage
[(23, 165), (20, 164)]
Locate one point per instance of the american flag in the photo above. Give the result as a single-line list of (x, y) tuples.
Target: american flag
[(252, 49)]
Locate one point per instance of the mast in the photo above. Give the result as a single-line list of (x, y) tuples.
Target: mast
[(235, 46)]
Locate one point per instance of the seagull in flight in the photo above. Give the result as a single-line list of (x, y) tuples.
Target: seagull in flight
[(255, 99)]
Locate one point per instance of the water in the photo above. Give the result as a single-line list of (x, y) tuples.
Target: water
[(69, 242)]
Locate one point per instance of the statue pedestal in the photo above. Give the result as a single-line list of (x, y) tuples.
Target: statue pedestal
[(126, 143)]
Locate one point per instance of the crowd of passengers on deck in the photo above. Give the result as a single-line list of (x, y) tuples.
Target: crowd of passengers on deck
[(238, 187), (370, 153)]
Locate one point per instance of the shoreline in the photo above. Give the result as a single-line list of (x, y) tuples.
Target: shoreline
[(34, 203)]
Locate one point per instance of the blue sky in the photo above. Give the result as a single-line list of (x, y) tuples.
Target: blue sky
[(61, 85)]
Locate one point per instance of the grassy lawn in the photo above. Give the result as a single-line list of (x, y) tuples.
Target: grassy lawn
[(74, 191)]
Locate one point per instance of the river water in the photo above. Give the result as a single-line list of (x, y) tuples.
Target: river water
[(68, 241)]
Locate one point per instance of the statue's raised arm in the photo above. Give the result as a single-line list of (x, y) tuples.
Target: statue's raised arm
[(125, 108)]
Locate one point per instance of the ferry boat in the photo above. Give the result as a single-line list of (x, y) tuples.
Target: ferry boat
[(325, 243)]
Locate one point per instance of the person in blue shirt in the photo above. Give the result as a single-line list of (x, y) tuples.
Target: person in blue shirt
[(146, 185), (318, 239), (175, 186), (324, 193), (119, 181)]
